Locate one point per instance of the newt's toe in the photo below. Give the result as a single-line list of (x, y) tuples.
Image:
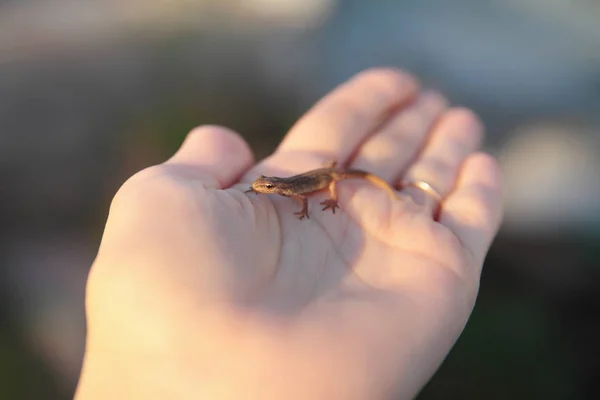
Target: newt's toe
[(330, 203), (302, 214)]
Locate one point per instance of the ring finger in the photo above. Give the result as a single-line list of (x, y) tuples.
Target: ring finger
[(433, 174)]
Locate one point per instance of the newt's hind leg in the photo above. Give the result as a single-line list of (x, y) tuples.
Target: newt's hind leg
[(331, 202)]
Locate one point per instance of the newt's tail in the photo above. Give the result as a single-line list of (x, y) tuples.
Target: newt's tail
[(376, 180)]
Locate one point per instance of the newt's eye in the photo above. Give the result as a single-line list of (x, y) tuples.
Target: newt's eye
[(269, 186)]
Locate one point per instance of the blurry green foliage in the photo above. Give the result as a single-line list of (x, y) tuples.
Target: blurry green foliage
[(507, 351), (22, 374)]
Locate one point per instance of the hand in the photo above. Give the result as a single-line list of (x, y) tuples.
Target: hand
[(202, 291)]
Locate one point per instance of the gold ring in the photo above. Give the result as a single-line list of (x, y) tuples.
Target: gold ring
[(425, 187)]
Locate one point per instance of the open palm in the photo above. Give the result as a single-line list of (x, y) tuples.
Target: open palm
[(234, 296)]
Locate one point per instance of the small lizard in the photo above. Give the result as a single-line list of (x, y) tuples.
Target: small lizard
[(298, 186)]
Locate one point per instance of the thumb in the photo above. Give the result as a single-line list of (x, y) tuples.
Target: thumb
[(213, 154)]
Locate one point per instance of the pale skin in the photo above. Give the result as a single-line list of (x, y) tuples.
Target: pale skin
[(203, 291)]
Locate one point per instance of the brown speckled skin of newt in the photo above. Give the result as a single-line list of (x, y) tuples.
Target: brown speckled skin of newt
[(298, 186)]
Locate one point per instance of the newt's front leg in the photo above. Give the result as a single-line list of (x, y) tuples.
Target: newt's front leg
[(304, 212), (331, 202)]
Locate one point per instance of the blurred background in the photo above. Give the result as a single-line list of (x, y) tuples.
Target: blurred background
[(93, 91)]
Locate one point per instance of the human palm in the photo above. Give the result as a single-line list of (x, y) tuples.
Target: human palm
[(233, 296)]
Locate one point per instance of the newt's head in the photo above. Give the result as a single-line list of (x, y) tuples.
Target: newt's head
[(268, 184)]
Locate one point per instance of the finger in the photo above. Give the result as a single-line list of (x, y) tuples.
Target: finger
[(457, 134), (216, 155), (342, 120), (390, 150), (473, 211)]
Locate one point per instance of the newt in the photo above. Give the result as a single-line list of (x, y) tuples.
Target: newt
[(298, 186)]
